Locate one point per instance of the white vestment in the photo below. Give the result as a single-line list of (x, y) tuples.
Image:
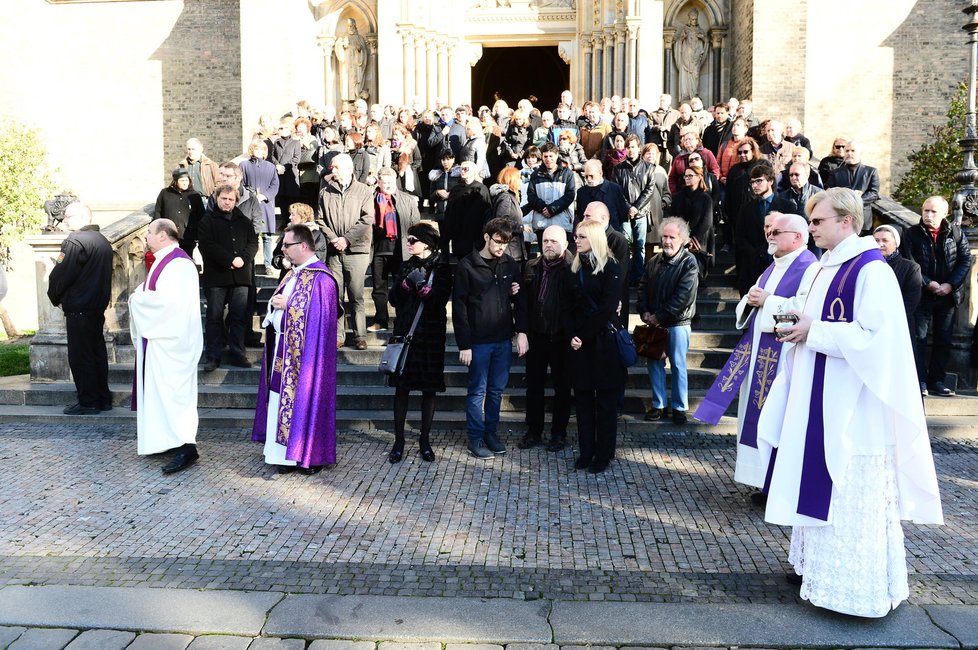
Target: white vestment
[(751, 468), (166, 376), (274, 451), (876, 446)]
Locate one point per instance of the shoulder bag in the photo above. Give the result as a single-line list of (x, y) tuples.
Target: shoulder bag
[(395, 354)]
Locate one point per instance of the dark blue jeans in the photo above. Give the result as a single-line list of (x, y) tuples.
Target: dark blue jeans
[(236, 300), (488, 374), (941, 310)]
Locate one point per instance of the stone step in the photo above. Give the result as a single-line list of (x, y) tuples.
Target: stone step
[(368, 375)]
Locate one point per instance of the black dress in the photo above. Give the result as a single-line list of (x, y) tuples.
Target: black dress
[(424, 369)]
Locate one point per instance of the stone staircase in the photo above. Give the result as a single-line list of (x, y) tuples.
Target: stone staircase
[(364, 402)]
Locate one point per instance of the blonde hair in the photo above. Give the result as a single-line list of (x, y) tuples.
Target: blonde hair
[(599, 246)]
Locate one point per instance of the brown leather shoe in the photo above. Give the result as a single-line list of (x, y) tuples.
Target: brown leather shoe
[(361, 344)]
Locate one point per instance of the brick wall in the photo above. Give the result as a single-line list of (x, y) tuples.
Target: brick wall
[(742, 38), (780, 33)]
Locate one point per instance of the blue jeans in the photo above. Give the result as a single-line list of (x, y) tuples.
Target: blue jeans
[(676, 351), (268, 248), (488, 374), (639, 231)]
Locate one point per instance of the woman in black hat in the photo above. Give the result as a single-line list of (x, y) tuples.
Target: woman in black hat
[(180, 203), (424, 368)]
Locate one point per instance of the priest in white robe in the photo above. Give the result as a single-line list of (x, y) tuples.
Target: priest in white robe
[(165, 323), (845, 416)]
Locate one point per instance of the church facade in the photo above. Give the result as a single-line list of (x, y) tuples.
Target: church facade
[(118, 86)]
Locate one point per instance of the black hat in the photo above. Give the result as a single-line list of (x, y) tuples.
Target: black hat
[(427, 233), (179, 172)]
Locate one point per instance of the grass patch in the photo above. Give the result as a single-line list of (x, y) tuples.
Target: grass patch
[(14, 354)]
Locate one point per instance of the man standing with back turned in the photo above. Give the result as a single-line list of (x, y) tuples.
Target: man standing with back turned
[(80, 285), (164, 319), (847, 423)]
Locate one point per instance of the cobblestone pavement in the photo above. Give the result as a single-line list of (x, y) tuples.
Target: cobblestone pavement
[(665, 524)]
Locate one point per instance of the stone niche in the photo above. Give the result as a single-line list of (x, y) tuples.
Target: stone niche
[(693, 42)]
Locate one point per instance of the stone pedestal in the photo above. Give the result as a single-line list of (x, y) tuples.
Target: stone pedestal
[(49, 348)]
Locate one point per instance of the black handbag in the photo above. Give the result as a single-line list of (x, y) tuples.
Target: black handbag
[(395, 354)]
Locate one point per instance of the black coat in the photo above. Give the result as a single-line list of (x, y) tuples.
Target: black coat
[(505, 206), (596, 365), (696, 207), (750, 244), (946, 260), (424, 368), (513, 145), (608, 193), (864, 179), (466, 213), (483, 307), (81, 281), (222, 237), (552, 316), (184, 209), (908, 276)]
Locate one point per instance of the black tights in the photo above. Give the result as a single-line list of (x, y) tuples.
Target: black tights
[(400, 415)]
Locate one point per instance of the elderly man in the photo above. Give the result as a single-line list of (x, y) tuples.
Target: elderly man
[(395, 213), (856, 176), (667, 298), (775, 148), (80, 285), (346, 208), (794, 198), (592, 130), (164, 320), (597, 188), (853, 455), (944, 256), (296, 412), (202, 170), (757, 357), (549, 286), (228, 244)]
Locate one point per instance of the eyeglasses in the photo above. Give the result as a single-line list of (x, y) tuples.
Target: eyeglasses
[(692, 160), (497, 242), (838, 146), (690, 176), (287, 244), (745, 152), (775, 233), (818, 222)]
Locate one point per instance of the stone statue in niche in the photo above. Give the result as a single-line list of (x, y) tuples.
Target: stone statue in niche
[(690, 49), (352, 54)]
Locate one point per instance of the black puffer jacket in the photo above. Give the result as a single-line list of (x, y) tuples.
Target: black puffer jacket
[(668, 288), (946, 260)]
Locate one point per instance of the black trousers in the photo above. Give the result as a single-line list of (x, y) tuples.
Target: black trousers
[(597, 423), (547, 351), (236, 299), (382, 267), (87, 358)]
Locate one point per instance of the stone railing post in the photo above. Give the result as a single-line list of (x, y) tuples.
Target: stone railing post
[(49, 348)]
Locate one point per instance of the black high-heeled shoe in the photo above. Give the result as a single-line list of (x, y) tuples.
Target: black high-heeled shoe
[(427, 454), (397, 453)]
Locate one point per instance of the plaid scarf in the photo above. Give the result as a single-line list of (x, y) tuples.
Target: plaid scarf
[(386, 215)]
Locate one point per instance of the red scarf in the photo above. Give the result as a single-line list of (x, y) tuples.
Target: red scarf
[(386, 215)]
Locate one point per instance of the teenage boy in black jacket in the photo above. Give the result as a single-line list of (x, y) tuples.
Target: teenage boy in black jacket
[(487, 308)]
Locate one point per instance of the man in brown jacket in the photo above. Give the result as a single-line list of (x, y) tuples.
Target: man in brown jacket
[(203, 171)]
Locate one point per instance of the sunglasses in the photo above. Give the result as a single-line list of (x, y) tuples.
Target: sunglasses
[(412, 241)]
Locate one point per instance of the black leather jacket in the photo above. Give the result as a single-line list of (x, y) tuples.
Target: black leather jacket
[(636, 180), (946, 260), (668, 288)]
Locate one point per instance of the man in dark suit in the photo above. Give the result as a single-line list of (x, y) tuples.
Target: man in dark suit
[(597, 188), (862, 179)]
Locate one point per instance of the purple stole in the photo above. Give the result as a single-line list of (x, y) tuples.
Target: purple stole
[(815, 489), (149, 284), (734, 371)]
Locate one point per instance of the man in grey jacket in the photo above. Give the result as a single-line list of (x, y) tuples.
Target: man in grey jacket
[(346, 214)]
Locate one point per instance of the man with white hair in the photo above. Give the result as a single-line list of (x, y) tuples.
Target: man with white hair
[(202, 170), (856, 176), (847, 423), (756, 359)]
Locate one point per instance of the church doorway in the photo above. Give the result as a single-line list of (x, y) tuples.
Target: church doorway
[(515, 73)]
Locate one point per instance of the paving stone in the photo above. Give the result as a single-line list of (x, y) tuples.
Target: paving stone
[(394, 645), (531, 646), (331, 644), (43, 639), (959, 621), (154, 641), (8, 634), (410, 619), (163, 610), (472, 646), (102, 640), (587, 647), (269, 643), (220, 642)]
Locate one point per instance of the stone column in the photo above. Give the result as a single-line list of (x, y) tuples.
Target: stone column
[(442, 69), (621, 77), (408, 62), (588, 70), (419, 64), (371, 80), (49, 347), (609, 66), (716, 63), (631, 62), (432, 73), (327, 43), (668, 37), (598, 60)]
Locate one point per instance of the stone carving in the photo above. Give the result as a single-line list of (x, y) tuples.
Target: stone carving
[(556, 4), (352, 54), (690, 49)]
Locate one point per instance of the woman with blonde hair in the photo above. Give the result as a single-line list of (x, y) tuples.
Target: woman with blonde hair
[(505, 195), (597, 373)]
